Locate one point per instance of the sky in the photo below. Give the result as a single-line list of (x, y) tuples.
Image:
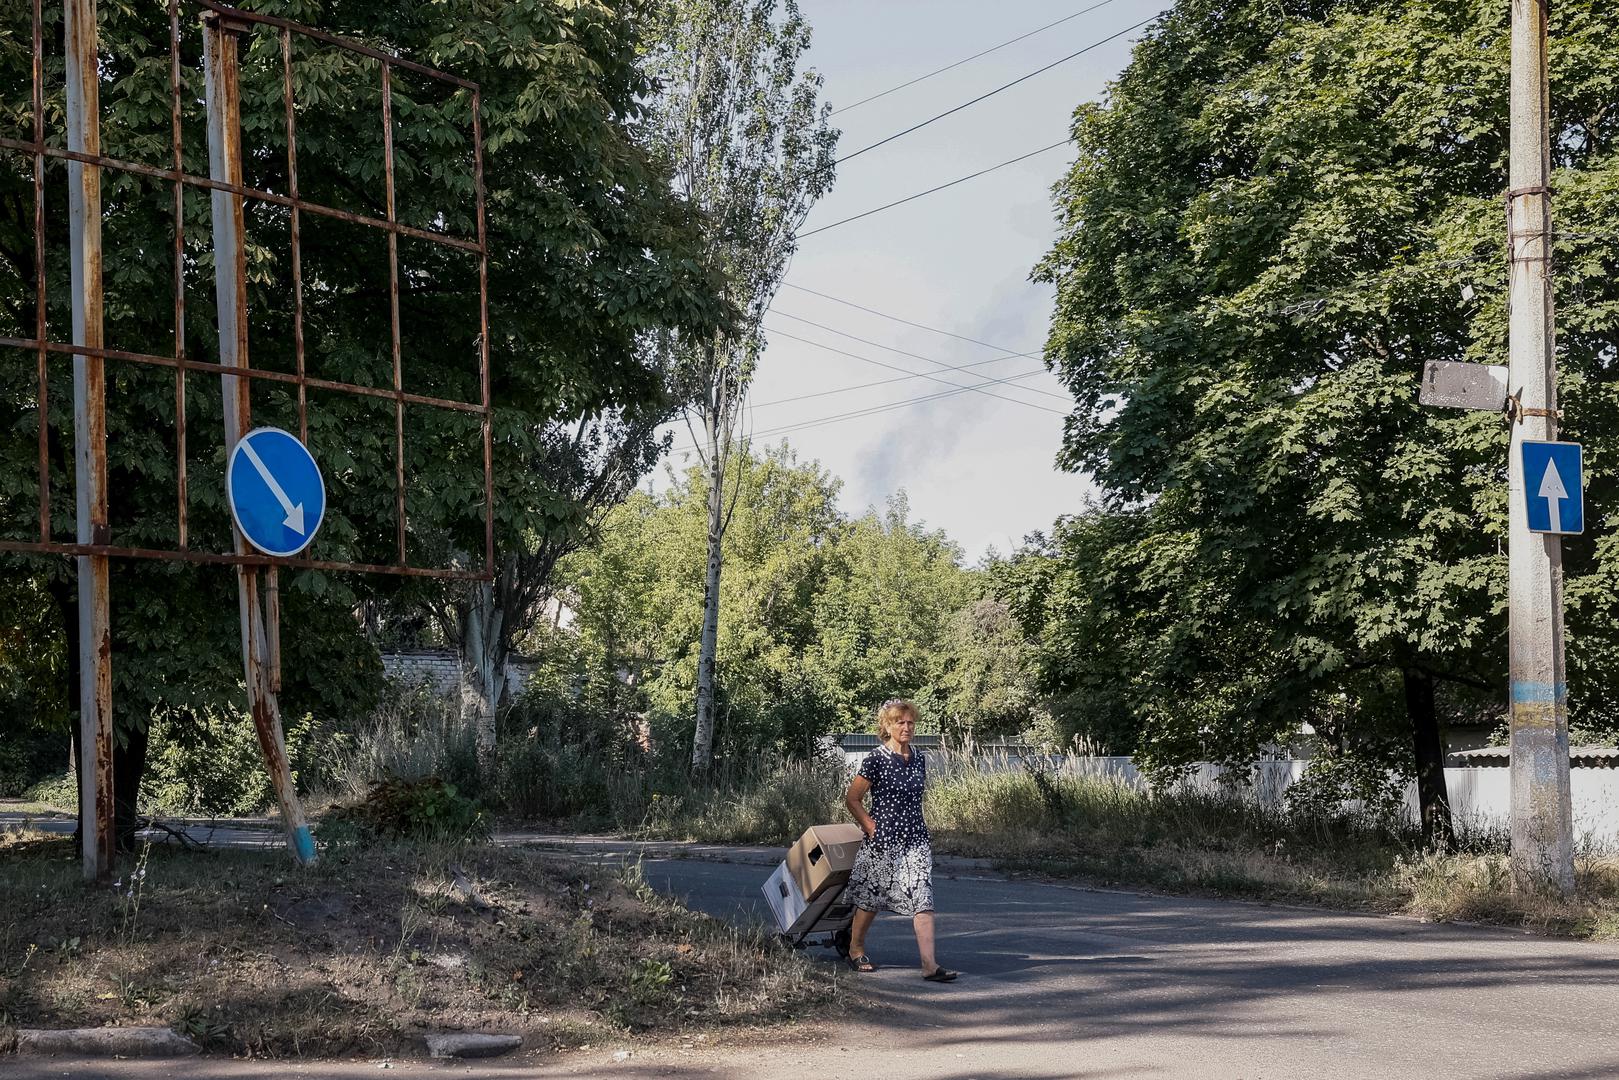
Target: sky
[(979, 467)]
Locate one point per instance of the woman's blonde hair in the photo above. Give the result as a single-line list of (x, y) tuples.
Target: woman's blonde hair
[(889, 712)]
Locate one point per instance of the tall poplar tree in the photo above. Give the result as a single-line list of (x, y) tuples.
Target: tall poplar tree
[(751, 148)]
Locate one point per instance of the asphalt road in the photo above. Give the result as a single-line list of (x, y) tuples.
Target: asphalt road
[(1075, 983)]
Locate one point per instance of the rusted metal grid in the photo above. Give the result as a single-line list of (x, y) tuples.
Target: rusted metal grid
[(44, 346)]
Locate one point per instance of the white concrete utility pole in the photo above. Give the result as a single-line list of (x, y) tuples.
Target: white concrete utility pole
[(1542, 819)]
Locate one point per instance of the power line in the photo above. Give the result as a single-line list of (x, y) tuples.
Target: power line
[(904, 403), (930, 191), (915, 356), (874, 410), (905, 322), (974, 56), (908, 371), (1297, 306), (882, 382), (998, 89)]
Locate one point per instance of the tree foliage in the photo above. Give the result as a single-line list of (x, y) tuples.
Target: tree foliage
[(591, 258), (823, 616), (1267, 233), (751, 148)]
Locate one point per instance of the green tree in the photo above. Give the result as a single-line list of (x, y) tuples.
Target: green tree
[(592, 258), (752, 151), (985, 678), (1266, 234), (881, 616), (638, 603)]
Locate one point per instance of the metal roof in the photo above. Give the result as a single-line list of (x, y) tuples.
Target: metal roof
[(1590, 757), (863, 741)]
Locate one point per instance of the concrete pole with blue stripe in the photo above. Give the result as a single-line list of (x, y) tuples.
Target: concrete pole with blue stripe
[(1542, 818)]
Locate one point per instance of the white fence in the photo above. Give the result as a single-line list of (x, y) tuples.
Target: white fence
[(1480, 798)]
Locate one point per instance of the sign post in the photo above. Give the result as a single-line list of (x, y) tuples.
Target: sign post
[(1542, 815), (97, 816), (262, 493)]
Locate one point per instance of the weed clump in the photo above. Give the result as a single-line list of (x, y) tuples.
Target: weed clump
[(426, 809)]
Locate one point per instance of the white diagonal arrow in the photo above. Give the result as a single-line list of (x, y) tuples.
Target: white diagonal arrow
[(295, 514), (1553, 491)]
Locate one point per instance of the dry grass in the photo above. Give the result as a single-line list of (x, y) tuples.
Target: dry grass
[(762, 803), (1226, 844), (1478, 888), (373, 948)]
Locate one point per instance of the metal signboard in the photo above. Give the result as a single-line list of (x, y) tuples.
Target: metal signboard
[(276, 494), (1464, 386), (287, 499), (1553, 484)]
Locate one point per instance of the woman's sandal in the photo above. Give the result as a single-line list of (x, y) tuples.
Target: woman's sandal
[(940, 975), (862, 963)]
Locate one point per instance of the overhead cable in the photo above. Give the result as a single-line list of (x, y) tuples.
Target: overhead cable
[(931, 377), (930, 191), (974, 56), (905, 322), (997, 90), (873, 410), (902, 352), (882, 382)]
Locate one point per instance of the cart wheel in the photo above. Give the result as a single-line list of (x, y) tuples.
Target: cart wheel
[(840, 942)]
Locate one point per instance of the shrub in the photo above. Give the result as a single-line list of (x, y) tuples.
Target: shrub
[(425, 809), (538, 781), (60, 791), (209, 762), (763, 801), (1343, 785), (414, 733), (28, 755)]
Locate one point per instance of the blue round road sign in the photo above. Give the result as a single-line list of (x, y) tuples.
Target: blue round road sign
[(275, 491)]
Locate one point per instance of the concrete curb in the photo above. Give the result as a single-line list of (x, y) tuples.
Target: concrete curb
[(129, 1042), (471, 1044), (741, 855)]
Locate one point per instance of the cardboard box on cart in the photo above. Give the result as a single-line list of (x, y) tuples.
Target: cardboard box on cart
[(796, 916), (821, 859)]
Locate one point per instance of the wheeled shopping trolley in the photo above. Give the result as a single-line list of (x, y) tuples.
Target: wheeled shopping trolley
[(807, 891)]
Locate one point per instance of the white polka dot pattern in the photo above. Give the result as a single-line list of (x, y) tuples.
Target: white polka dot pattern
[(894, 869)]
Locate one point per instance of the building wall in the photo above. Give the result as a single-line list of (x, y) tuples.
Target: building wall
[(440, 670)]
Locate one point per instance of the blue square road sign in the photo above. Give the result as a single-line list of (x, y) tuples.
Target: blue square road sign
[(1554, 485)]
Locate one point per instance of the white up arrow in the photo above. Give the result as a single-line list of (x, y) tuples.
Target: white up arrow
[(295, 514), (1553, 491)]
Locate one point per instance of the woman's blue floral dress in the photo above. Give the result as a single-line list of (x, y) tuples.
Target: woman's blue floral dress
[(893, 870)]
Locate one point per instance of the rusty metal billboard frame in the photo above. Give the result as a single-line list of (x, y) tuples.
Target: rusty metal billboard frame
[(93, 544)]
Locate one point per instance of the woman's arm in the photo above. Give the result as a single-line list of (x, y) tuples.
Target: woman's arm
[(855, 799)]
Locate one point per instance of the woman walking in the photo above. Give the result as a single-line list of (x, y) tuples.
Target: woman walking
[(894, 868)]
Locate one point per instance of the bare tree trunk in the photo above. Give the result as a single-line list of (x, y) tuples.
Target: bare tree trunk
[(1433, 798), (702, 750), (483, 662)]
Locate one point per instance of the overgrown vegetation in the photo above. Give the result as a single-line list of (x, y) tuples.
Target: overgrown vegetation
[(1228, 843), (377, 946)]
